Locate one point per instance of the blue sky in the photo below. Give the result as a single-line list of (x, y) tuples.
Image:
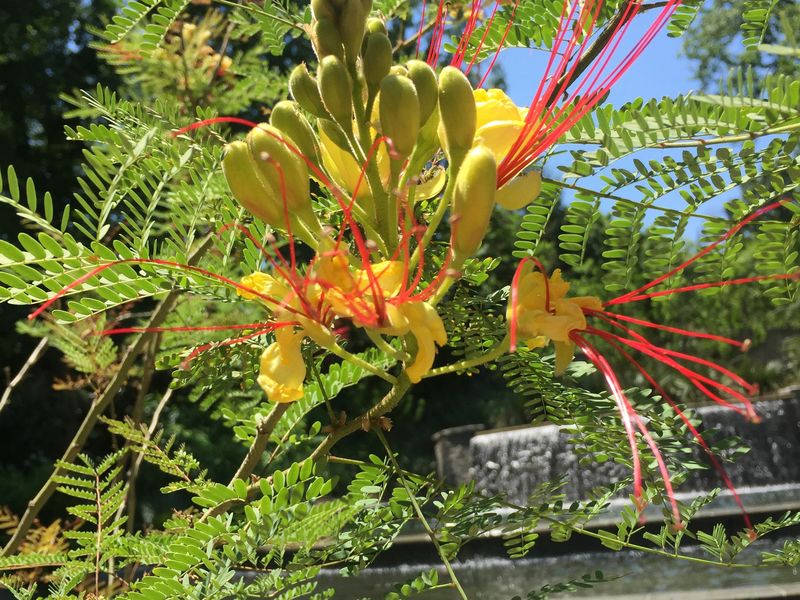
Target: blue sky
[(660, 71)]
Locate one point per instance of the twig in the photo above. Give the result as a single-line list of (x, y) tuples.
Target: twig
[(412, 498), (32, 360), (263, 432), (588, 57), (99, 407), (387, 403), (133, 473)]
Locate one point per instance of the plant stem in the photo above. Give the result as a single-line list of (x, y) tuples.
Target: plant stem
[(32, 360), (384, 346), (491, 355), (417, 509), (386, 404), (263, 431), (345, 355), (99, 406)]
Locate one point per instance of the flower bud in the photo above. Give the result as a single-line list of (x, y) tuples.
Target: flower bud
[(425, 82), (334, 133), (458, 113), (399, 110), (377, 59), (335, 88), (399, 70), (281, 168), (323, 9), (247, 186), (376, 25), (287, 118), (327, 39), (352, 23), (473, 200), (304, 90)]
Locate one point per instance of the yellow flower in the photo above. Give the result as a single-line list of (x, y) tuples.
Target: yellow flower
[(499, 124), (282, 367), (539, 322), (335, 288), (263, 284)]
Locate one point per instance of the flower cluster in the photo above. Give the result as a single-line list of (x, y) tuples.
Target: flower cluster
[(379, 137)]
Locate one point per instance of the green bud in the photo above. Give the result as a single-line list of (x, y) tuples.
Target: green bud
[(281, 168), (458, 113), (352, 23), (327, 39), (334, 133), (304, 90), (473, 201), (376, 25), (323, 9), (335, 87), (251, 191), (377, 58), (399, 111), (399, 70), (287, 118), (425, 81)]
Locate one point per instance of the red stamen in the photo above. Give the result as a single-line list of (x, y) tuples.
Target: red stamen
[(692, 429), (637, 294)]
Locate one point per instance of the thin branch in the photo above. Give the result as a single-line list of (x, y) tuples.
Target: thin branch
[(418, 510), (263, 432), (32, 360), (99, 407)]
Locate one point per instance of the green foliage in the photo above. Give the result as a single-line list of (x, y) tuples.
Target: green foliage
[(756, 17), (153, 223)]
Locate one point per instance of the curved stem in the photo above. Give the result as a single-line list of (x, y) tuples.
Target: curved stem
[(491, 355), (418, 510), (263, 432), (387, 403), (384, 346), (345, 355)]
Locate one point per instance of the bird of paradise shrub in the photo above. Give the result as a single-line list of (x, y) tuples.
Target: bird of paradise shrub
[(379, 137)]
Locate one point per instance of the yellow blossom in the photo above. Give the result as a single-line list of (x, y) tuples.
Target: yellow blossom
[(345, 170), (539, 322), (421, 320), (499, 124), (282, 367)]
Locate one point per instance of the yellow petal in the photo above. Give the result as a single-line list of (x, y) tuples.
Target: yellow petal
[(520, 191), (495, 105), (564, 354), (428, 330), (282, 367), (263, 284), (432, 187), (498, 136)]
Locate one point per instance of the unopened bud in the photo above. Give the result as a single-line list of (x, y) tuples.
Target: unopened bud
[(323, 9), (334, 133), (399, 70), (377, 59), (335, 87), (399, 110), (327, 39), (282, 169), (424, 80), (286, 117), (305, 91), (376, 25), (458, 113), (352, 24), (247, 186), (473, 200)]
